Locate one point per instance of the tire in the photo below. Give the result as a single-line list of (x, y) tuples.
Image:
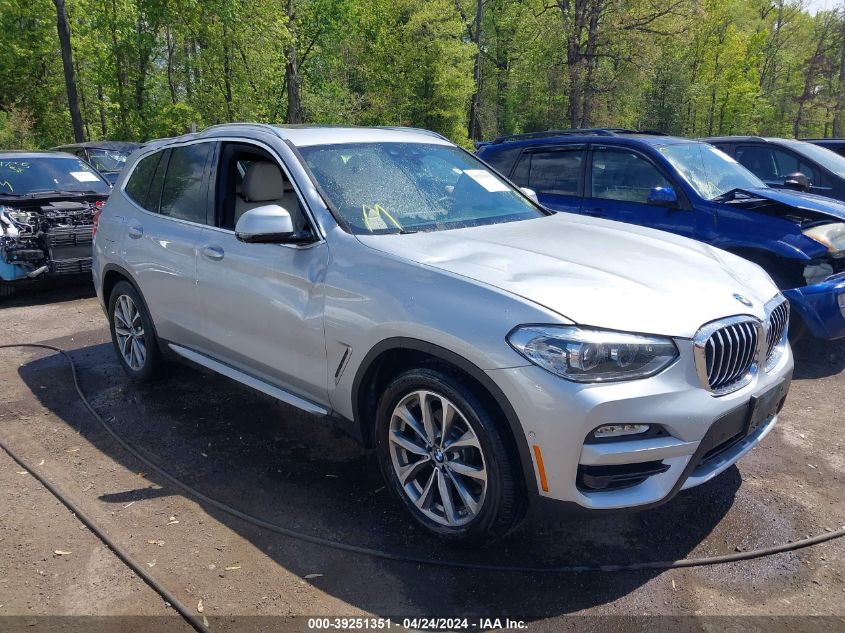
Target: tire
[(7, 291), (495, 504), (136, 346), (797, 329)]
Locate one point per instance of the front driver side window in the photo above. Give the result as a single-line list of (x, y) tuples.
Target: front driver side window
[(773, 165), (248, 177), (619, 174)]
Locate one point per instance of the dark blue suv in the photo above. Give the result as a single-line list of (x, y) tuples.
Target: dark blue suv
[(693, 189)]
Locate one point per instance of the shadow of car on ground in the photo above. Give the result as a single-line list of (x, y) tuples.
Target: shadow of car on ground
[(815, 358), (50, 291), (292, 469)]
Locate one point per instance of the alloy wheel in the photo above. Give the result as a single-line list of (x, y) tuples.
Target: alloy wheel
[(129, 331), (438, 459)]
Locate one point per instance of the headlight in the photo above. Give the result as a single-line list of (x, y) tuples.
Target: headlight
[(831, 235), (587, 355)]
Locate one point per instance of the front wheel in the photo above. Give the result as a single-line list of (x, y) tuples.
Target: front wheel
[(444, 456), (7, 291)]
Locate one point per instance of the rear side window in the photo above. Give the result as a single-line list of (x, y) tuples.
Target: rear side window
[(138, 186), (184, 194), (772, 164), (502, 160), (556, 172), (623, 175)]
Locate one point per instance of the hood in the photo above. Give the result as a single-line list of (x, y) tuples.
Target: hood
[(595, 272), (820, 207)]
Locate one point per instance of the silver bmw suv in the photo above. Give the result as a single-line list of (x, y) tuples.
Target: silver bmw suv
[(493, 353)]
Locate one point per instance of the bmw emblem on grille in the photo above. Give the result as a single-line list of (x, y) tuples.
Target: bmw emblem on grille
[(743, 300)]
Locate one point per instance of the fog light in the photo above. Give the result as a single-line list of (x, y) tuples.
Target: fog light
[(617, 430), (841, 300)]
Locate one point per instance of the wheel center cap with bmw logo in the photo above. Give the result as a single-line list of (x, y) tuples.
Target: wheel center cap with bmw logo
[(743, 300)]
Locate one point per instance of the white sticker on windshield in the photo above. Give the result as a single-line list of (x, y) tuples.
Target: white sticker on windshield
[(84, 176), (728, 158), (486, 180)]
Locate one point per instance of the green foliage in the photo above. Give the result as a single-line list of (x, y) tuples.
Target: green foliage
[(16, 130), (149, 68)]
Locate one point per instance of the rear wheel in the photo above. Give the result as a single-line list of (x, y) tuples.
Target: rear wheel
[(445, 459), (132, 334)]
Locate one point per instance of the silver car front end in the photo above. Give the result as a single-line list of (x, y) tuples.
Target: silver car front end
[(669, 432)]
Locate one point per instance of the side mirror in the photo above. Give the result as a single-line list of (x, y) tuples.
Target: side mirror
[(268, 224), (530, 193), (797, 181), (663, 196)]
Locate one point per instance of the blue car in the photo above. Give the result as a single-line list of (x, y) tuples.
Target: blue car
[(692, 189)]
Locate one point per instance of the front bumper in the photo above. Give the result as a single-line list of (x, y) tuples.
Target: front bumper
[(557, 416), (818, 306)]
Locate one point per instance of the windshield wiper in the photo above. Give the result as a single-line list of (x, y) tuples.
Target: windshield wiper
[(74, 192)]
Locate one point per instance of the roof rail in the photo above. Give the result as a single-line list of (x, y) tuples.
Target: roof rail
[(267, 127), (406, 128), (597, 131)]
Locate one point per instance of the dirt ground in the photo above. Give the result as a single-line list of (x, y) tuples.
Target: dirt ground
[(293, 470)]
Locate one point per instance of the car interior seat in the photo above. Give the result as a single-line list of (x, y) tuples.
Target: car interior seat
[(263, 184)]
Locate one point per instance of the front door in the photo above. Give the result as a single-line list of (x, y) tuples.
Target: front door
[(262, 304), (619, 182)]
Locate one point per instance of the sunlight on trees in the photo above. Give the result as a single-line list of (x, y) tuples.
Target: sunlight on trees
[(148, 68)]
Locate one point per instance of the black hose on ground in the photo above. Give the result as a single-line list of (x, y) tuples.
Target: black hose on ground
[(403, 558), (121, 553)]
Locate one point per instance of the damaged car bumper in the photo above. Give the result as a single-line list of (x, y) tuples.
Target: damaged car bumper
[(821, 306)]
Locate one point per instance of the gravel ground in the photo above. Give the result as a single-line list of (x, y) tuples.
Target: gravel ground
[(293, 470)]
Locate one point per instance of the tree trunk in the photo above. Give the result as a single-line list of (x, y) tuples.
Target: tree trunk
[(70, 73), (171, 50), (840, 92), (227, 76), (574, 21), (292, 73), (474, 127), (100, 101), (120, 73), (292, 77), (84, 108), (590, 63)]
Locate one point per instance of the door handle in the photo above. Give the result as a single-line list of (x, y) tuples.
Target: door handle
[(135, 231), (214, 253)]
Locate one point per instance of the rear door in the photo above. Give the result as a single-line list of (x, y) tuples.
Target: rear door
[(169, 192), (619, 182), (555, 173)]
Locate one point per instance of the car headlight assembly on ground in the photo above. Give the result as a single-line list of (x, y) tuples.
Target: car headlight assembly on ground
[(590, 355)]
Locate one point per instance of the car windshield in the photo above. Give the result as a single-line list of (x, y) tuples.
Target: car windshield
[(404, 187), (823, 156), (108, 159), (709, 171), (40, 174)]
